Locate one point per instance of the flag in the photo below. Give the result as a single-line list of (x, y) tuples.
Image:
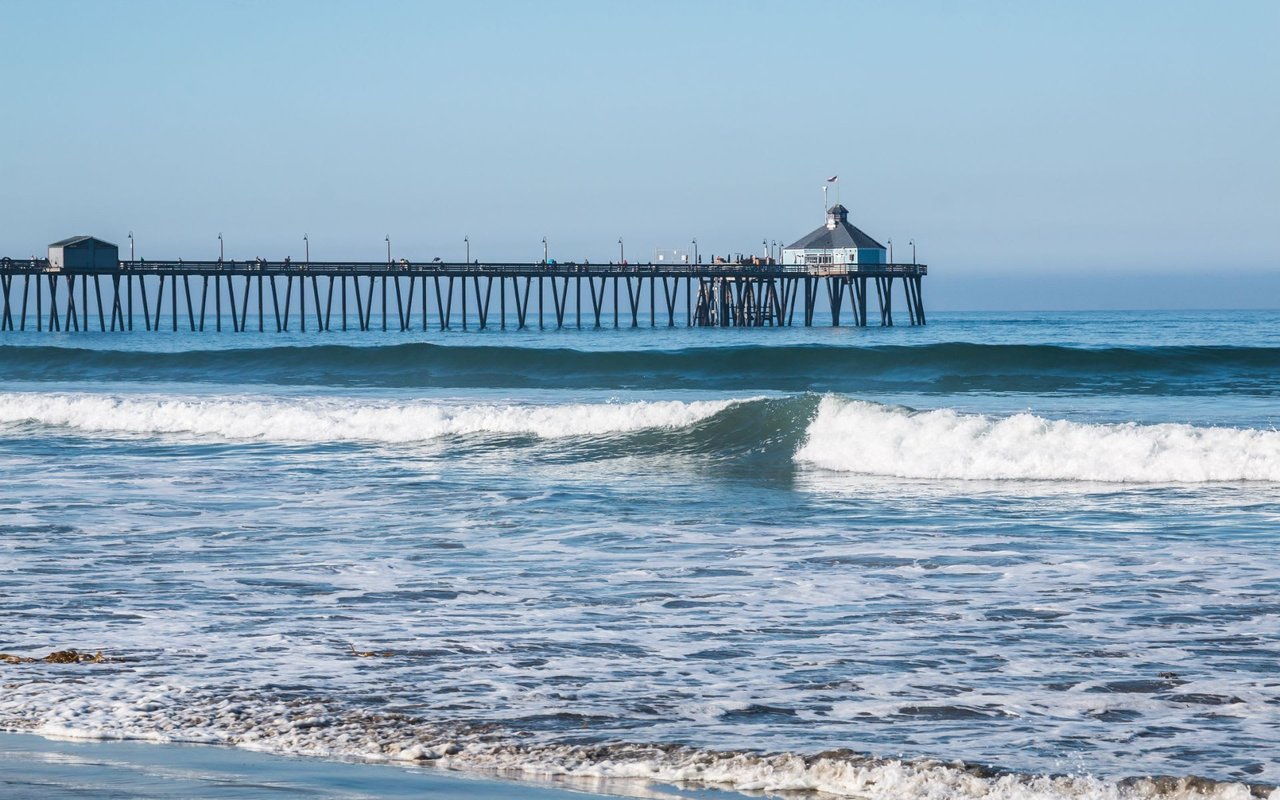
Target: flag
[(833, 179)]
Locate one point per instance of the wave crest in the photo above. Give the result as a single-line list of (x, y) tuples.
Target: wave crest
[(871, 439), (327, 420), (830, 432)]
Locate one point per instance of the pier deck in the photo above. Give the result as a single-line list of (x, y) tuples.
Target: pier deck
[(273, 294)]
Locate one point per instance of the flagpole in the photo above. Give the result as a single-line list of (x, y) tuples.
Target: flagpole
[(837, 190), (824, 198)]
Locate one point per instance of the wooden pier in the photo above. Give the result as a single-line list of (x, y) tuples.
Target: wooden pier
[(326, 296)]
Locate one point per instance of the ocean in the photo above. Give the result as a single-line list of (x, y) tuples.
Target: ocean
[(1026, 555)]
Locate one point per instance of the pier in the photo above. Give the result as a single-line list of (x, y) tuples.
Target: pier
[(38, 294)]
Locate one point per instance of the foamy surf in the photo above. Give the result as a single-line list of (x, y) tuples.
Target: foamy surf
[(327, 420), (624, 769), (835, 774), (872, 439), (834, 433)]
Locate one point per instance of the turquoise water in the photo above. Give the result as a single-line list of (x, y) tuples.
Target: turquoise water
[(1039, 543)]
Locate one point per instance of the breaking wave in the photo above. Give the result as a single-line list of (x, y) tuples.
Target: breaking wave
[(873, 439), (828, 432), (325, 420)]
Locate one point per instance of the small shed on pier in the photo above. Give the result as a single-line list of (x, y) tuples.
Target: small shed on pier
[(83, 254), (835, 243)]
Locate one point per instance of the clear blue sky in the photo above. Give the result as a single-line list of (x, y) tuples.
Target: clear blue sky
[(1017, 142)]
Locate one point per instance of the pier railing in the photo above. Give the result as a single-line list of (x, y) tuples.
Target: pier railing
[(145, 267)]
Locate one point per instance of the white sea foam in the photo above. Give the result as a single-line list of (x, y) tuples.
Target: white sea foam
[(172, 715), (871, 439), (321, 420), (836, 775)]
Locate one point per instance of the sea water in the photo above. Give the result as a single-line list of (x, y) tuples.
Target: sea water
[(1020, 555)]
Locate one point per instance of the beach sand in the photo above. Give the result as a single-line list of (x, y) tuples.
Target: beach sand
[(37, 767)]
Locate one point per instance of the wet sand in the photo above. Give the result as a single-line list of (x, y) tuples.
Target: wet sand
[(50, 769)]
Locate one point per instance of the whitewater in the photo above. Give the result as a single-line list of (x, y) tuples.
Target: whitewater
[(1011, 556), (841, 434)]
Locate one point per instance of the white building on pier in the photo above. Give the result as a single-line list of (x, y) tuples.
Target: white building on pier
[(836, 243)]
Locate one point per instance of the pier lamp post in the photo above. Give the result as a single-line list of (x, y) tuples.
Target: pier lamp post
[(622, 254), (131, 245), (466, 240), (695, 251), (890, 242), (913, 250), (221, 253), (764, 245), (306, 247), (545, 260), (388, 249)]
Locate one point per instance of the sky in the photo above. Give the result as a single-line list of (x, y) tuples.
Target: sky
[(1041, 155)]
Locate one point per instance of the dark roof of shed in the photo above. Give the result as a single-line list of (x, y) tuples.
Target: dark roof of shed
[(80, 240)]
